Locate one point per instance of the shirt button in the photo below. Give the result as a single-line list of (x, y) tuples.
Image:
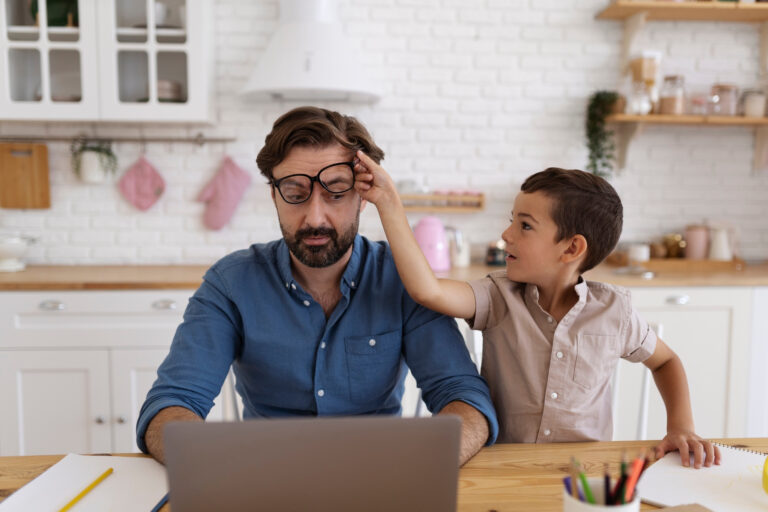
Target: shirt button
[(559, 355), (554, 396), (372, 342), (352, 284), (549, 320), (547, 432), (306, 303), (287, 285), (322, 345), (320, 392), (293, 286)]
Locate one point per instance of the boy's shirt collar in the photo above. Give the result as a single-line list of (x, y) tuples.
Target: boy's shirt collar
[(532, 300)]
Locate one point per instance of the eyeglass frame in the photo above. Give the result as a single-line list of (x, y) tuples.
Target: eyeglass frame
[(312, 179)]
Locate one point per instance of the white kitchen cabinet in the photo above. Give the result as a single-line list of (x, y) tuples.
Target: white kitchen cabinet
[(122, 61), (75, 367), (710, 329)]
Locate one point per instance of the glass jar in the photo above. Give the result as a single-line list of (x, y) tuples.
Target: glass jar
[(724, 100), (672, 95), (754, 103), (640, 100)]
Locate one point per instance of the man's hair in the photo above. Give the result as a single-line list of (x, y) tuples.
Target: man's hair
[(584, 204), (313, 127)]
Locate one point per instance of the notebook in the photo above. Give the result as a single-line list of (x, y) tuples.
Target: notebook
[(136, 483), (370, 463), (736, 484)]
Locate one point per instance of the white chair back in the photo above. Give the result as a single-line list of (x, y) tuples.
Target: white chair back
[(631, 380)]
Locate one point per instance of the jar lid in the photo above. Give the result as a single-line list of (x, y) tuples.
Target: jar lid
[(674, 78), (725, 87)]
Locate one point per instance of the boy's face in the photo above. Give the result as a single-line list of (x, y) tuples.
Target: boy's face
[(533, 254)]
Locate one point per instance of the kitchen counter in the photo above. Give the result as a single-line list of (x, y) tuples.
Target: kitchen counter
[(154, 277)]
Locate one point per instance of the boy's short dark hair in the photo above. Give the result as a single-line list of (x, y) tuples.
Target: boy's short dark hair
[(584, 204), (314, 127)]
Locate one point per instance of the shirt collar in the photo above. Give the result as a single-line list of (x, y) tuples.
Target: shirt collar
[(350, 277)]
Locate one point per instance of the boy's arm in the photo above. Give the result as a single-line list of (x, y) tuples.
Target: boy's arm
[(669, 375), (447, 296)]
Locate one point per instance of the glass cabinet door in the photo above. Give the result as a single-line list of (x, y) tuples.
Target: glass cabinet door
[(48, 60), (146, 50)]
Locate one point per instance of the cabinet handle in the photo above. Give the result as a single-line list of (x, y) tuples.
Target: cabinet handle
[(679, 300), (164, 304), (51, 305), (121, 419), (99, 420)]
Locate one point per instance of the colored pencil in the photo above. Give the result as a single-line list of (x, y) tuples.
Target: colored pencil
[(86, 490)]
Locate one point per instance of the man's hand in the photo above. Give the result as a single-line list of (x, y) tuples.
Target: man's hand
[(153, 437), (687, 441), (474, 429)]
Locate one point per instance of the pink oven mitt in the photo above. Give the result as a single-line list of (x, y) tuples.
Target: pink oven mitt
[(142, 185), (222, 194)]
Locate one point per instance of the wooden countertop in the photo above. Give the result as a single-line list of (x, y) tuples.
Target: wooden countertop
[(503, 477), (138, 277)]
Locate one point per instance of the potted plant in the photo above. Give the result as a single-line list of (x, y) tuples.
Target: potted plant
[(599, 139), (93, 161)]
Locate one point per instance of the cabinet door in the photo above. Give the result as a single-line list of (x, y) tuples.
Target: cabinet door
[(48, 71), (54, 402), (90, 319), (709, 329), (154, 60)]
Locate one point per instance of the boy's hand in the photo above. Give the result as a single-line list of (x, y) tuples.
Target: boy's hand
[(373, 183), (687, 441)]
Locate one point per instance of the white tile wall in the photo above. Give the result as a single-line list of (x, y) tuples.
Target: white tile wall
[(478, 93)]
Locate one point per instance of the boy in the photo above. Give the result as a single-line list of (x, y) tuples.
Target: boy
[(551, 340)]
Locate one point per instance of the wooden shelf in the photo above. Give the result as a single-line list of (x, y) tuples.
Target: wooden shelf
[(688, 119), (686, 11), (443, 203)]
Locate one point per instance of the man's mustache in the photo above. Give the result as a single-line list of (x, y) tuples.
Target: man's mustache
[(315, 232)]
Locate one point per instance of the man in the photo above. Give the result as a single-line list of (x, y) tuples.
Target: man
[(318, 322)]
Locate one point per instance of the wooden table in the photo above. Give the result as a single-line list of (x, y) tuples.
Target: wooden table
[(505, 477)]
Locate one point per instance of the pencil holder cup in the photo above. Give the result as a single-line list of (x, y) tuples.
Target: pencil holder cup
[(597, 486)]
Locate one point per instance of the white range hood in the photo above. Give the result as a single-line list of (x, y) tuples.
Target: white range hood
[(309, 58)]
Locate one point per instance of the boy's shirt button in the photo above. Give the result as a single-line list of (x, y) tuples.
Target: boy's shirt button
[(559, 355), (554, 396)]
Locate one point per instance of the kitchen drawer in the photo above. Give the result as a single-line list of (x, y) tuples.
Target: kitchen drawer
[(85, 319)]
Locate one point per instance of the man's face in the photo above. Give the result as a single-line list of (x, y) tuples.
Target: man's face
[(320, 231)]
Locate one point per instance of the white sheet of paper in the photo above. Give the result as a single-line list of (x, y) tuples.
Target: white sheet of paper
[(137, 483), (734, 485)]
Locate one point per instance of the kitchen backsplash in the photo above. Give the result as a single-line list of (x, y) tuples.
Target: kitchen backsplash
[(477, 94)]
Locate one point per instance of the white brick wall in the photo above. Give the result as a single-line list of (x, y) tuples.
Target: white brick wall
[(478, 93)]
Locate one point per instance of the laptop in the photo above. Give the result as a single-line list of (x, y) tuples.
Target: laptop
[(371, 463)]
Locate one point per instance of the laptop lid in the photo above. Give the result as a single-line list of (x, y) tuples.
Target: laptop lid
[(371, 463)]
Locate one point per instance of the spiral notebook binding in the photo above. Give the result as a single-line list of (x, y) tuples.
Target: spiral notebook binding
[(740, 448)]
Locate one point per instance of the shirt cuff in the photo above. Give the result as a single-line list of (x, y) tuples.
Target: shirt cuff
[(148, 412), (482, 304), (480, 402)]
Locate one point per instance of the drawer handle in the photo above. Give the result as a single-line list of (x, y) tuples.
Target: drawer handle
[(122, 420), (99, 420), (51, 305), (679, 300), (164, 304)]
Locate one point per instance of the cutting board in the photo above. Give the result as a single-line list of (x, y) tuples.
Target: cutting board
[(24, 176)]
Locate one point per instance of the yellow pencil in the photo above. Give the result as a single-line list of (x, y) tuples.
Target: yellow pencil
[(86, 490)]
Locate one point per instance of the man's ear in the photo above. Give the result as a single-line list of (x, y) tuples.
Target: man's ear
[(272, 193), (576, 249)]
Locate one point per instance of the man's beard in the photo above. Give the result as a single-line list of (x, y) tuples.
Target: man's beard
[(319, 256)]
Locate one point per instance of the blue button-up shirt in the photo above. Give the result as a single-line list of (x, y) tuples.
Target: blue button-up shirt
[(290, 360)]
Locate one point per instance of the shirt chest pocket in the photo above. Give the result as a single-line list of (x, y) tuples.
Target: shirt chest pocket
[(596, 358), (373, 363)]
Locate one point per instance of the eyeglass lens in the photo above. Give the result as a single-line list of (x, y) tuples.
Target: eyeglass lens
[(335, 179)]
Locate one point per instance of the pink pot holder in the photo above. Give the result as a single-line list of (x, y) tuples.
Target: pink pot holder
[(223, 193), (142, 185)]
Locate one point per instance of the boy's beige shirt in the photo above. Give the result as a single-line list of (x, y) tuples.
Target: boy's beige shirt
[(550, 381)]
